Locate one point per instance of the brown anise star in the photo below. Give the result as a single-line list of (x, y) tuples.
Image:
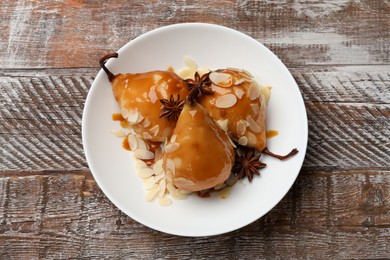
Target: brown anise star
[(171, 108), (198, 86), (247, 163)]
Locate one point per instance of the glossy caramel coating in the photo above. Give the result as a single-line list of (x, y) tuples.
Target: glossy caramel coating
[(245, 107), (138, 96), (204, 156)]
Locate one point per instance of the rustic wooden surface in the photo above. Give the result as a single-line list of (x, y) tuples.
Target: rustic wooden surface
[(339, 54)]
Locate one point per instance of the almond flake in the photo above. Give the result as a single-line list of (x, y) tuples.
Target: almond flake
[(226, 101), (168, 175), (243, 140), (143, 154), (238, 81), (223, 124), (170, 148), (162, 186), (221, 79), (175, 193), (203, 71), (253, 91), (140, 118), (151, 194), (133, 142), (265, 92), (171, 166), (158, 168), (133, 116), (246, 74), (241, 127), (251, 138), (173, 138), (146, 135), (253, 125), (139, 164), (150, 183), (124, 112), (159, 177), (190, 62), (239, 92), (187, 73), (141, 144), (255, 108), (145, 173), (146, 123), (163, 92), (178, 195), (154, 130), (118, 133), (263, 103), (164, 202)]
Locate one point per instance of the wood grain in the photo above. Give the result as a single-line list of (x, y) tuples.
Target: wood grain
[(40, 34), (339, 53), (41, 120), (317, 219)]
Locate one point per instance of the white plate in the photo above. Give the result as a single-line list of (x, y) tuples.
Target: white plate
[(215, 47)]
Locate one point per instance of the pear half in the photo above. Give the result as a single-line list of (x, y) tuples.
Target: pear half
[(138, 96), (199, 155), (242, 102)]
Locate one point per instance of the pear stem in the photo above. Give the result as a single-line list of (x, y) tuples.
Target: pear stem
[(103, 61), (280, 157)]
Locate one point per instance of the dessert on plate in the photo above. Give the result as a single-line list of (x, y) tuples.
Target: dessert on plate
[(197, 130)]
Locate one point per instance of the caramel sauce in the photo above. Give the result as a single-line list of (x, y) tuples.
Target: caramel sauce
[(125, 143), (124, 123), (205, 154), (204, 193), (272, 133), (241, 110), (142, 92), (117, 117)]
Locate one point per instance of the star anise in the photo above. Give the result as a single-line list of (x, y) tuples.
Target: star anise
[(171, 108), (198, 86), (247, 163)]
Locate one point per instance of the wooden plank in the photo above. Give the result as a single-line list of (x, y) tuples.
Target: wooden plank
[(42, 34), (40, 123), (323, 216), (345, 87)]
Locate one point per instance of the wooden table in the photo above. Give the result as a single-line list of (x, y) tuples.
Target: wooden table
[(339, 54)]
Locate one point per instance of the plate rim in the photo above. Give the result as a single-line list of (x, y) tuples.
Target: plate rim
[(118, 204)]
